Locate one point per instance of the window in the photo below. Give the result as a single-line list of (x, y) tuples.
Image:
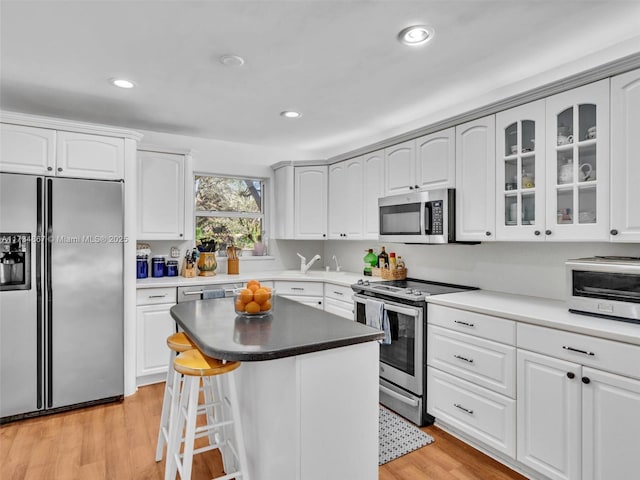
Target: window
[(229, 211)]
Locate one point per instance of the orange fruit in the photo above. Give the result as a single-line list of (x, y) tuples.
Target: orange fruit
[(266, 305), (253, 287), (245, 295), (252, 307), (261, 295), (239, 305), (253, 282)]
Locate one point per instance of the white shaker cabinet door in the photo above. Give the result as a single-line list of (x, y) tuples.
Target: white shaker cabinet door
[(475, 180), (610, 426), (310, 203), (353, 199), (625, 157), (27, 149), (337, 208), (160, 196), (549, 415), (400, 168), (373, 186), (436, 160), (155, 324), (80, 155)]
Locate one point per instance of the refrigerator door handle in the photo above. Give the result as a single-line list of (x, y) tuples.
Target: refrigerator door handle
[(39, 307), (49, 242)]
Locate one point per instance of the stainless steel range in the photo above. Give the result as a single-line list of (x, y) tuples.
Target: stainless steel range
[(403, 368)]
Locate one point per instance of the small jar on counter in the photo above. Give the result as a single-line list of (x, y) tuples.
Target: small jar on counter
[(392, 261), (172, 268), (158, 266)]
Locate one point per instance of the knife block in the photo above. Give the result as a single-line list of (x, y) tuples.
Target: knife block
[(233, 266), (188, 271)]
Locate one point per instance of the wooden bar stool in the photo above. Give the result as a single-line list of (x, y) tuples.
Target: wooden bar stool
[(177, 343), (224, 432)]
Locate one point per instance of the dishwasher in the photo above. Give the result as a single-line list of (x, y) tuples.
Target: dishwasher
[(196, 292)]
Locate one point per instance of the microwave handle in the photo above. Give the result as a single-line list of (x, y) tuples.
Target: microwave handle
[(428, 218)]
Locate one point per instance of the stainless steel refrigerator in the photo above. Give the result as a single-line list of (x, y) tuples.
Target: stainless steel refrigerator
[(61, 294)]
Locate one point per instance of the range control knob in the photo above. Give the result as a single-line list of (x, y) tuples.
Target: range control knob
[(366, 283)]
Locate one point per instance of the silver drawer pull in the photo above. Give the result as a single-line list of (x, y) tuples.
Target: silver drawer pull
[(157, 296), (464, 323), (468, 360), (591, 354), (199, 292), (338, 293), (298, 288), (457, 405)]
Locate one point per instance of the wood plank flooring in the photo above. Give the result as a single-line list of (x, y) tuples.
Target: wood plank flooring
[(118, 441)]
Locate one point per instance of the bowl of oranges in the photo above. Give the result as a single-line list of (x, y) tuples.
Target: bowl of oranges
[(253, 299)]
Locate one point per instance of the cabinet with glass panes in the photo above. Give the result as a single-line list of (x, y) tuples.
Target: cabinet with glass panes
[(578, 164), (520, 167)]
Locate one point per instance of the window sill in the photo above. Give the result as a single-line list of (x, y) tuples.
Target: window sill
[(251, 258)]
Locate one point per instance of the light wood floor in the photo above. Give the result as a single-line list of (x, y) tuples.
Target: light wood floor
[(117, 442)]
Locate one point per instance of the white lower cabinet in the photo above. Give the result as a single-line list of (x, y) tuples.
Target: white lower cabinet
[(154, 325), (576, 421), (338, 300), (307, 293)]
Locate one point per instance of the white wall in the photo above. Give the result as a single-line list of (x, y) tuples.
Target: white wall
[(535, 269)]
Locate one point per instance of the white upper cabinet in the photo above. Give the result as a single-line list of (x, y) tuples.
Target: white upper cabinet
[(41, 151), (27, 149), (400, 168), (475, 180), (89, 156), (161, 196), (435, 160), (346, 199), (520, 173), (625, 155), (310, 200), (577, 174), (283, 214), (373, 186)]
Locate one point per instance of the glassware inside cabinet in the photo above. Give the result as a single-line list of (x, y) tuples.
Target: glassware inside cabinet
[(587, 122), (528, 171), (565, 166), (565, 127), (511, 174), (511, 209), (528, 208), (528, 136), (587, 204), (587, 163), (511, 140), (565, 206)]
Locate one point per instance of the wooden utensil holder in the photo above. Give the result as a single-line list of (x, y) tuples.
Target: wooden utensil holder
[(233, 266), (188, 271)]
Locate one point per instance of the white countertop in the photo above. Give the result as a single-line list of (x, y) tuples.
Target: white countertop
[(539, 311), (338, 278)]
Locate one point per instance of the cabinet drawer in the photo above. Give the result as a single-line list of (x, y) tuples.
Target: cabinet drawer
[(338, 292), (299, 288), (477, 324), (489, 364), (311, 301), (337, 307), (608, 355), (478, 412), (152, 296)]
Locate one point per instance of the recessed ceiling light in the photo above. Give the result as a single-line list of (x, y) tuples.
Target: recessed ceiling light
[(231, 60), (290, 114), (416, 35), (122, 83)]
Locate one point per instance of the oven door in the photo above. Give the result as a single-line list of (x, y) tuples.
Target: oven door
[(402, 361)]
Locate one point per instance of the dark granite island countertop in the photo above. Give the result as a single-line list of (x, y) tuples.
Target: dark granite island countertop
[(290, 329)]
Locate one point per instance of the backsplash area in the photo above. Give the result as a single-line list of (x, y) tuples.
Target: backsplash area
[(535, 269)]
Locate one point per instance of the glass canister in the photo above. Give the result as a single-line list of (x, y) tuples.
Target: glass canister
[(158, 266), (172, 268), (142, 266)]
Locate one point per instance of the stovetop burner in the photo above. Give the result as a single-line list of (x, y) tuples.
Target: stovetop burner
[(410, 289)]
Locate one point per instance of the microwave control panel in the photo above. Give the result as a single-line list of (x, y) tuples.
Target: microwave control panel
[(435, 224)]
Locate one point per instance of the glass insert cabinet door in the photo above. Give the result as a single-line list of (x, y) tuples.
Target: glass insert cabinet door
[(578, 163), (520, 176)]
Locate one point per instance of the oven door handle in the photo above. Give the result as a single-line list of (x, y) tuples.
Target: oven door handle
[(405, 311), (397, 396)]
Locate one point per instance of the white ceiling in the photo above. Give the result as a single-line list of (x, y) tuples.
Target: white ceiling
[(337, 62)]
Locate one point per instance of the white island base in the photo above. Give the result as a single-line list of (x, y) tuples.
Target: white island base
[(312, 416)]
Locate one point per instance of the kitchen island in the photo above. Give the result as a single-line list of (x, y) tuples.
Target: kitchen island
[(307, 387)]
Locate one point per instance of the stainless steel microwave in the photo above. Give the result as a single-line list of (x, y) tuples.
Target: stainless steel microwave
[(605, 286), (418, 217)]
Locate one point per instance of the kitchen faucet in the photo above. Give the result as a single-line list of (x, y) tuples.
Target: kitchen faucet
[(338, 267), (306, 266)]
